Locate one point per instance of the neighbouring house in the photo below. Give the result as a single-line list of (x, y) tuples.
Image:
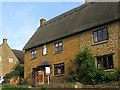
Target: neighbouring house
[(57, 41), (8, 60), (20, 68)]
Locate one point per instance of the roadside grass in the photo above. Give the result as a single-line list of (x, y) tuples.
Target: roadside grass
[(20, 87), (14, 87), (114, 84)]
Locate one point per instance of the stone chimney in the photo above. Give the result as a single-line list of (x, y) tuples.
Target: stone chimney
[(4, 41), (42, 21)]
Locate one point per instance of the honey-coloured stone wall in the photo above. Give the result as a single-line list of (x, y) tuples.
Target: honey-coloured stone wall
[(72, 45)]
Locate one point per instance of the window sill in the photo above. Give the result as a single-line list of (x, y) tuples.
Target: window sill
[(100, 42), (109, 70), (33, 58), (59, 75), (44, 54), (57, 52)]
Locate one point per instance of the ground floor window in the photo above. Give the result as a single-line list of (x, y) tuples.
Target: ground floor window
[(105, 62), (59, 69)]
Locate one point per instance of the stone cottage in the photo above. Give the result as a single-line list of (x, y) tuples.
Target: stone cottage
[(8, 60), (57, 41)]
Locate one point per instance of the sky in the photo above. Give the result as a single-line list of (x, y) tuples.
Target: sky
[(20, 20)]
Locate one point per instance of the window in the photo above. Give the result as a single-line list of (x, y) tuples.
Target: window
[(33, 74), (10, 59), (0, 58), (105, 62), (44, 50), (33, 52), (59, 69), (58, 47), (100, 35)]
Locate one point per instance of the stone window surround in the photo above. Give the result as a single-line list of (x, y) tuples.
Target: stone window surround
[(10, 59), (106, 56), (33, 54), (44, 50), (102, 39), (58, 47), (0, 58), (57, 65)]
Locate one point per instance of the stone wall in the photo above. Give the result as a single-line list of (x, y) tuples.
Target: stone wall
[(119, 42), (71, 46)]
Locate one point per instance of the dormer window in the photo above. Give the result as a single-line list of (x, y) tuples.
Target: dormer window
[(33, 54), (44, 50), (100, 35)]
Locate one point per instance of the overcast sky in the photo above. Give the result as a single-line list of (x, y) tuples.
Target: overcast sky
[(21, 19)]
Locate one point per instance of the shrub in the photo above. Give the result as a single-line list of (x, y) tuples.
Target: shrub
[(24, 82), (87, 73), (18, 72), (72, 76), (42, 87)]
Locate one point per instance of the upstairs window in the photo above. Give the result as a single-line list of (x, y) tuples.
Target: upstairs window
[(100, 35), (58, 47), (59, 69), (33, 54), (0, 58), (10, 59), (44, 50), (105, 62)]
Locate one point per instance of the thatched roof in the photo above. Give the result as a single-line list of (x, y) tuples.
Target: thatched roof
[(79, 19), (20, 55)]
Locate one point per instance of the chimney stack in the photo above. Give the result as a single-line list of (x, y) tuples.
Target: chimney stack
[(42, 21), (4, 41)]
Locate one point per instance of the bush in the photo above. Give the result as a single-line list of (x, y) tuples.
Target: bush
[(24, 82), (18, 72), (42, 87), (72, 76), (87, 73), (103, 76)]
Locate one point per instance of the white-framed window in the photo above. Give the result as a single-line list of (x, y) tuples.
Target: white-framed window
[(0, 58), (44, 50), (10, 59)]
